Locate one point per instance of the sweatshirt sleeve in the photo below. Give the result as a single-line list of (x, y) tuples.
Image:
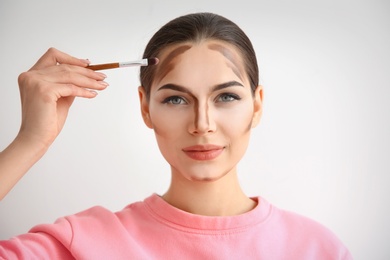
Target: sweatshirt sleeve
[(49, 241)]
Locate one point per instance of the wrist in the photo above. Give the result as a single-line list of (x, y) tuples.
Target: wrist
[(17, 159), (31, 144)]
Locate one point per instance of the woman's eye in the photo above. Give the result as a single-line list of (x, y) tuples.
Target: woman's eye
[(227, 97), (175, 100)]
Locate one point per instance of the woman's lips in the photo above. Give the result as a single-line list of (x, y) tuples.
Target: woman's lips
[(203, 152)]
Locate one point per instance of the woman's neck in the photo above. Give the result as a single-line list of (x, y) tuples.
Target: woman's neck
[(223, 197)]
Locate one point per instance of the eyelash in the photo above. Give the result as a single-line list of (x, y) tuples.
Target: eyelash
[(232, 97), (169, 100)]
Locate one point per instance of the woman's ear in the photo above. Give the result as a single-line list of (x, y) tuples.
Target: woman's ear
[(144, 103), (257, 105)]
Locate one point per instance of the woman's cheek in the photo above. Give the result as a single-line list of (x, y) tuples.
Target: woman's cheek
[(167, 121), (237, 120)]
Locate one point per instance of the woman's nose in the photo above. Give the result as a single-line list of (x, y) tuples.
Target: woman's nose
[(202, 121)]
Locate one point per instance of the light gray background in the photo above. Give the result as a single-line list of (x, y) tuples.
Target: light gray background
[(321, 150)]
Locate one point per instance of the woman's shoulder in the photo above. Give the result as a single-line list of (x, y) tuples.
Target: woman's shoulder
[(303, 232), (294, 222)]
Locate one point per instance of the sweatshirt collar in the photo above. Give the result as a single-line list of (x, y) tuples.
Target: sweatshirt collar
[(179, 219)]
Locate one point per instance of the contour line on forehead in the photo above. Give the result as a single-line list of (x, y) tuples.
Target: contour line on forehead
[(235, 65), (167, 65)]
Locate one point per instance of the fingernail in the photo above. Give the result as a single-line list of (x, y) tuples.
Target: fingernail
[(85, 61), (103, 83), (101, 75), (93, 92)]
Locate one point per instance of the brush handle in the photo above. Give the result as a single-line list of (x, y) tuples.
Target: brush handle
[(105, 66)]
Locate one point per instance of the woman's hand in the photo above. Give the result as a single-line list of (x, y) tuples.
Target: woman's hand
[(47, 91)]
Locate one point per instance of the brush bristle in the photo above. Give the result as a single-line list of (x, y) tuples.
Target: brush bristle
[(152, 61)]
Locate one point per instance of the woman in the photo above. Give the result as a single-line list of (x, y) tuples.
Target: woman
[(201, 100)]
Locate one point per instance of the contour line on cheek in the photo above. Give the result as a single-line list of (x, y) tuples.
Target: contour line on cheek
[(228, 54)]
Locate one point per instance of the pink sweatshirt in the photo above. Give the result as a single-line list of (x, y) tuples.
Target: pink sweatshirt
[(153, 229)]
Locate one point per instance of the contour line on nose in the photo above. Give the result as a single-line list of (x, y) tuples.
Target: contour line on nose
[(202, 122)]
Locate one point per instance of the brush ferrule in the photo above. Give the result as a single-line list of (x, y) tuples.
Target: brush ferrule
[(143, 62)]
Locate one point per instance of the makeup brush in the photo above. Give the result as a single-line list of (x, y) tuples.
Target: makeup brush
[(106, 66)]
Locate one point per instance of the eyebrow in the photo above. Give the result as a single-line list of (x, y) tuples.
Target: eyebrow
[(217, 87)]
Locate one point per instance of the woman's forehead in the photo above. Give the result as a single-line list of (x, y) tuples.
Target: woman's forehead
[(232, 55), (169, 55), (167, 59)]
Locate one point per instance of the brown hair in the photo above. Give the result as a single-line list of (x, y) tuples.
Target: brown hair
[(195, 28)]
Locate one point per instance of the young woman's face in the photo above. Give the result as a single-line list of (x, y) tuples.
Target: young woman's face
[(202, 109)]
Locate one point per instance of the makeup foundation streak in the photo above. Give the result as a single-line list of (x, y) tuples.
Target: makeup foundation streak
[(106, 66), (238, 70), (166, 64)]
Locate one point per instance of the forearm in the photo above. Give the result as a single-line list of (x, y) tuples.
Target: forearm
[(47, 91), (16, 160)]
